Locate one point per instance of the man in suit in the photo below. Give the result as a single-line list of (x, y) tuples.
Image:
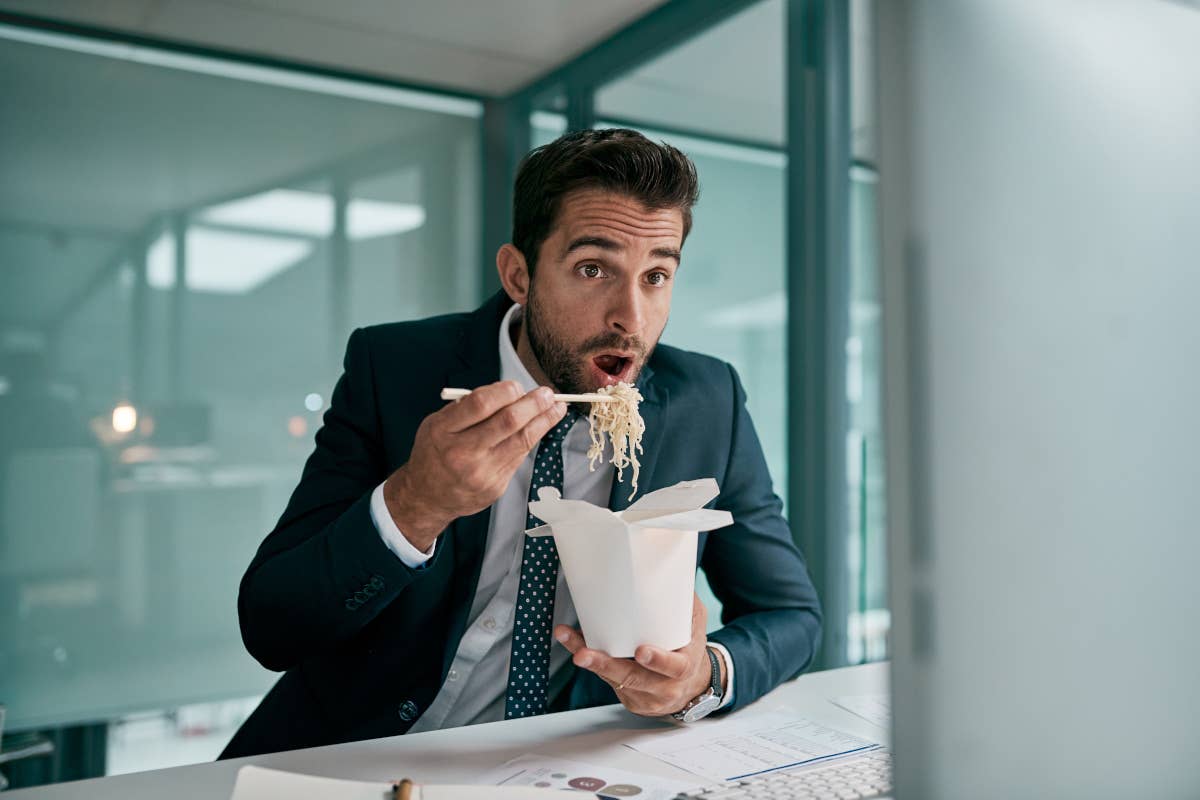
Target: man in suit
[(398, 593)]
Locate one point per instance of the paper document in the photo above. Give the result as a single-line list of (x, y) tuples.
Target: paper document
[(260, 783), (741, 746), (548, 772), (874, 708)]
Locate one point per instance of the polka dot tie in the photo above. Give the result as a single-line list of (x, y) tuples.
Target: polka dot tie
[(529, 664)]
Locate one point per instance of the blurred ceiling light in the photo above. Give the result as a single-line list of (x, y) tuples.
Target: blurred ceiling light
[(313, 401), (548, 120), (311, 214), (768, 311), (297, 426), (124, 418), (367, 219), (4, 385), (224, 262)]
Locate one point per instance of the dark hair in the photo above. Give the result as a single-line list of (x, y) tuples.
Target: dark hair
[(614, 159)]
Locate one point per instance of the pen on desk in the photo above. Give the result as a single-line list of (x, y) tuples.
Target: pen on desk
[(402, 790)]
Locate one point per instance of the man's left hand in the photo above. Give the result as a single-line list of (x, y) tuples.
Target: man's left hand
[(655, 682)]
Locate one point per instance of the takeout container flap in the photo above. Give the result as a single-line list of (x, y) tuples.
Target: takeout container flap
[(631, 574), (677, 507)]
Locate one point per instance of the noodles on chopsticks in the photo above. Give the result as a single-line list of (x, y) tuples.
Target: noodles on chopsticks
[(620, 419)]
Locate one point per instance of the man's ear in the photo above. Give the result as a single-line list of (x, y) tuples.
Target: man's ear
[(514, 273)]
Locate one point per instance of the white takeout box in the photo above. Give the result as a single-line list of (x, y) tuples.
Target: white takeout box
[(632, 574)]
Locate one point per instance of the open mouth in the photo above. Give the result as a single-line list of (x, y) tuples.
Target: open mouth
[(612, 368)]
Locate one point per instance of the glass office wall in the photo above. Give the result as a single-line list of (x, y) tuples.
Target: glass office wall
[(184, 249), (184, 252), (870, 620), (728, 114), (729, 299)]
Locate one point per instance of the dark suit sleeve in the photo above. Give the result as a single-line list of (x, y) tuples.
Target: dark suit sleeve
[(324, 572), (770, 609)]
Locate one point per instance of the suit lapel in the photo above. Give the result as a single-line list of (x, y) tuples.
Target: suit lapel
[(654, 412), (479, 364)]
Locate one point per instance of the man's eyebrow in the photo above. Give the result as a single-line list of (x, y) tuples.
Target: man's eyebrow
[(592, 241), (614, 246), (666, 252)]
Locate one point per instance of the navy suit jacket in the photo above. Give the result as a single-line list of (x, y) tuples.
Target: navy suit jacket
[(365, 642)]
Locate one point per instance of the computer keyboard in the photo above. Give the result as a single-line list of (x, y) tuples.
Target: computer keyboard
[(860, 776)]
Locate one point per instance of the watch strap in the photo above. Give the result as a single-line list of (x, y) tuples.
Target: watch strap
[(715, 661), (712, 694)]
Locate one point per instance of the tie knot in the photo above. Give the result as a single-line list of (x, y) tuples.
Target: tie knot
[(559, 431)]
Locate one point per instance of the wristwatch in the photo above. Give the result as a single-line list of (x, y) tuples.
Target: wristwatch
[(708, 702)]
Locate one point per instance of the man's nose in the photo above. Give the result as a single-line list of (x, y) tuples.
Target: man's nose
[(627, 313)]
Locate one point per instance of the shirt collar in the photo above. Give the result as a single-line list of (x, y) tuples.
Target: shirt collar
[(511, 368)]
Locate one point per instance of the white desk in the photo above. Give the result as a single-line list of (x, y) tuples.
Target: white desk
[(592, 735)]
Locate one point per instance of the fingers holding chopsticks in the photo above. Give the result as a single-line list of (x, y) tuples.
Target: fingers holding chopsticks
[(527, 418), (464, 455), (479, 405)]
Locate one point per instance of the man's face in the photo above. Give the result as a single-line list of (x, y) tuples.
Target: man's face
[(601, 290)]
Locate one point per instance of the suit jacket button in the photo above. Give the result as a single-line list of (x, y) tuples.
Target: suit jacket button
[(408, 711)]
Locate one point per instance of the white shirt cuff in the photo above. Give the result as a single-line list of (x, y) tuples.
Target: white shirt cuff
[(393, 538), (727, 698)]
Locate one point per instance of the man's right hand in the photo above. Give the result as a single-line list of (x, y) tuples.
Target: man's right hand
[(464, 455)]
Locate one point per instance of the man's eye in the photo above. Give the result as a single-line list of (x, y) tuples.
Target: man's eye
[(590, 271), (657, 278)]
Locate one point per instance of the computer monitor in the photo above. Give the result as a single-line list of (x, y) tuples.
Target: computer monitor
[(1040, 224)]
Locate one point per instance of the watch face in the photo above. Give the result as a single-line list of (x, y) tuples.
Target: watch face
[(702, 709)]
